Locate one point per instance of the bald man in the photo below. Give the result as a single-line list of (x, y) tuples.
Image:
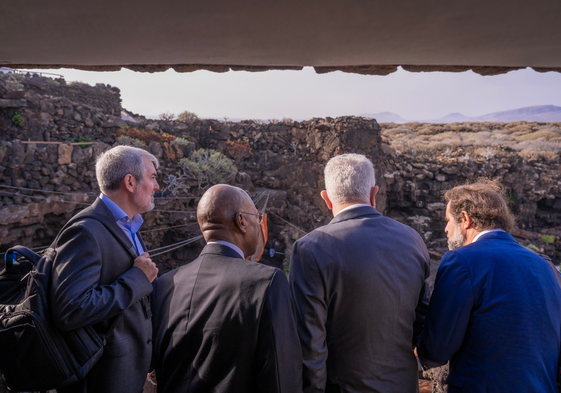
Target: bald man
[(222, 323)]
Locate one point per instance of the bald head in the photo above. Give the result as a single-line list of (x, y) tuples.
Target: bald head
[(217, 214)]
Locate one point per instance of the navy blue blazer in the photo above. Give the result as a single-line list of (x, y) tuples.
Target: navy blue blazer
[(495, 313)]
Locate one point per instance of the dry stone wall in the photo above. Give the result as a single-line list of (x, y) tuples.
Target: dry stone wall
[(415, 188), (50, 109)]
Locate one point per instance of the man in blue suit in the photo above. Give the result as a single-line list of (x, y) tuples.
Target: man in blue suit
[(495, 312)]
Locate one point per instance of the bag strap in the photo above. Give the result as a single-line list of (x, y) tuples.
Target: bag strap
[(10, 256)]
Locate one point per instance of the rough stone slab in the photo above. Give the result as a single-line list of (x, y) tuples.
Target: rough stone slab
[(65, 154), (12, 103)]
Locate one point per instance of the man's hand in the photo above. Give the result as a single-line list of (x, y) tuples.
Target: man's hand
[(144, 263)]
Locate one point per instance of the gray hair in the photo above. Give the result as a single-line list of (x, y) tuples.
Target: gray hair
[(114, 164), (349, 178)]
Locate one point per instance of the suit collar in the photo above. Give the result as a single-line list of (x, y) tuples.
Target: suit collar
[(483, 233), (103, 214), (354, 213), (502, 235), (119, 214), (215, 248)]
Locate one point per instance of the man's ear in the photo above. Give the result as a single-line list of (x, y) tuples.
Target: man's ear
[(373, 193), (130, 182), (465, 220), (240, 223), (326, 199)]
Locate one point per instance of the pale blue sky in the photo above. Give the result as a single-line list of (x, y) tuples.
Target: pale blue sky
[(305, 94)]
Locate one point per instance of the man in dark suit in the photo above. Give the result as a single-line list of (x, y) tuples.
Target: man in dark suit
[(495, 312), (222, 323), (102, 280), (359, 290)]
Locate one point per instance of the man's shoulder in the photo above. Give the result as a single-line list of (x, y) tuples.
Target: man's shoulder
[(478, 253), (391, 222), (489, 244), (166, 280), (96, 211), (253, 269), (90, 225), (357, 223), (229, 265)]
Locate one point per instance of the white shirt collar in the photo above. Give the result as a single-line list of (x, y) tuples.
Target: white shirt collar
[(484, 232), (228, 244), (354, 206)]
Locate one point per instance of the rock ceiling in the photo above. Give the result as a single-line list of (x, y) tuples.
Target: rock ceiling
[(360, 36)]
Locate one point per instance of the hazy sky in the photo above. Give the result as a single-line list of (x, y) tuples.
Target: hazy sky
[(305, 94)]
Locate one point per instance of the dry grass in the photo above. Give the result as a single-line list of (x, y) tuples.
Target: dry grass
[(530, 140), (547, 134)]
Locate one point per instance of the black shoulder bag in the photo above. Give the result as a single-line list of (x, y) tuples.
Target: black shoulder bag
[(34, 353)]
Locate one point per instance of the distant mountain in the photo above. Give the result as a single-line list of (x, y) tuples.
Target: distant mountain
[(531, 113), (452, 118), (386, 117), (541, 113)]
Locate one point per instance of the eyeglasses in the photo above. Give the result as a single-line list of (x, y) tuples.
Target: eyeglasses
[(258, 214)]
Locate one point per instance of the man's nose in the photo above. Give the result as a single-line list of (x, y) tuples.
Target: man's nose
[(156, 185)]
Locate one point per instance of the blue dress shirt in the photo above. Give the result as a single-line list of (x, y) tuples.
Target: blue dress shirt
[(130, 226)]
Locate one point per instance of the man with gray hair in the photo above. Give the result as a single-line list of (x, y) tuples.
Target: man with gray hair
[(359, 288), (102, 273)]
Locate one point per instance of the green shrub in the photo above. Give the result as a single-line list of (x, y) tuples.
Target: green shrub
[(208, 167), (181, 141), (286, 268), (532, 247), (511, 198), (203, 169), (549, 239), (17, 118)]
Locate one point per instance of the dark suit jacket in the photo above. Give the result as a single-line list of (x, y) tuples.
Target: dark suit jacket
[(496, 313), (224, 324), (94, 281), (359, 289)]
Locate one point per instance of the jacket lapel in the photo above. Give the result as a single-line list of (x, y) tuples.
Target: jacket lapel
[(103, 214), (141, 241)]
